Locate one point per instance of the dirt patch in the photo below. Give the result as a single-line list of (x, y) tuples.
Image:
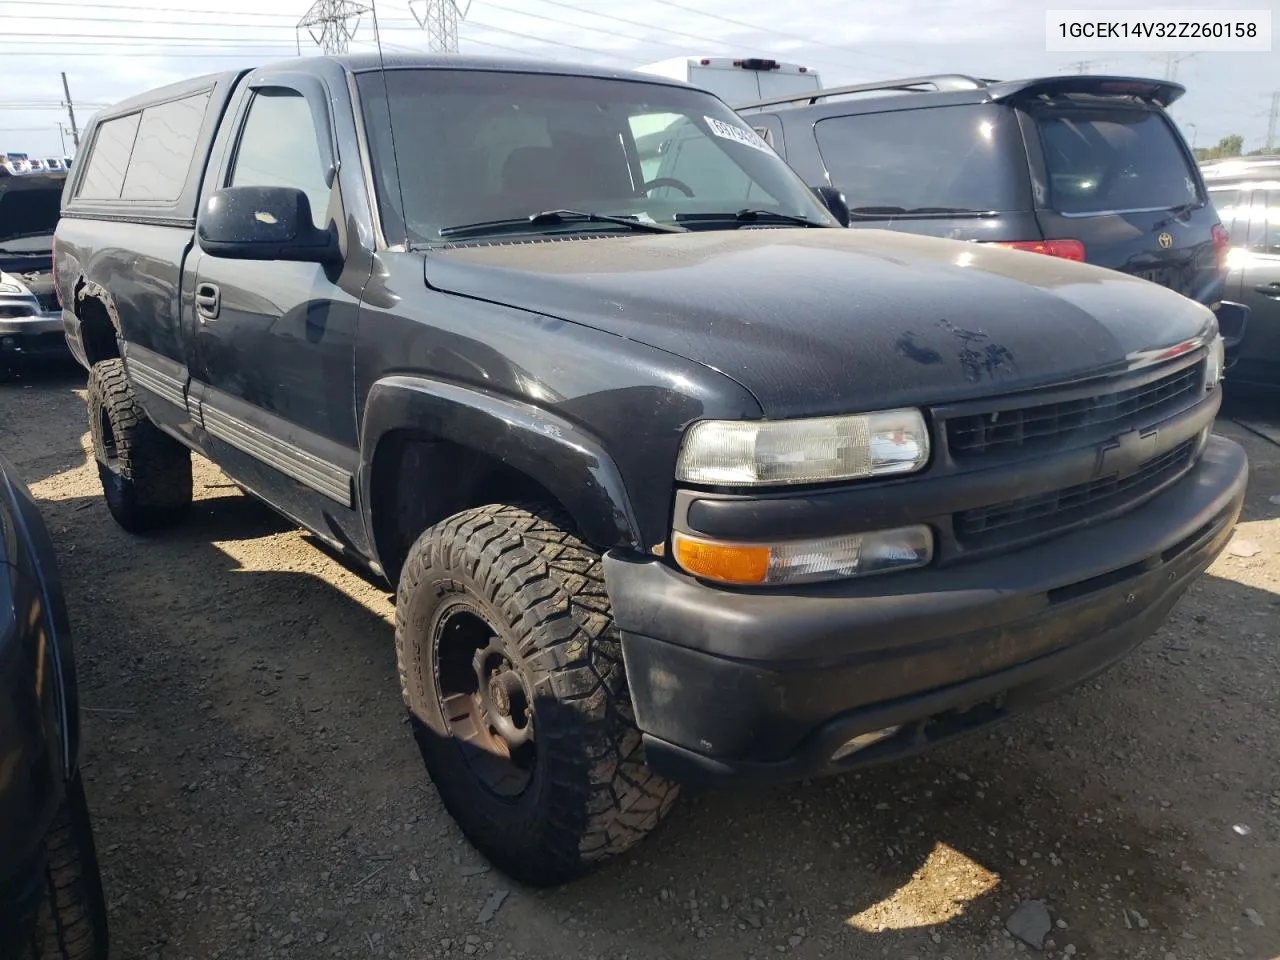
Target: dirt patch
[(257, 794)]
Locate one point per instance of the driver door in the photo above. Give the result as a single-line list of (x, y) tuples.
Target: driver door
[(274, 341)]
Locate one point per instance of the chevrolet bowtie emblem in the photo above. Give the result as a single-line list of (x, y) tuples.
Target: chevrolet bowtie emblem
[(1123, 455)]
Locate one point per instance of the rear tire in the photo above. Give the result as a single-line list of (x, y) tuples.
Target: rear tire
[(503, 628), (145, 473), (72, 923)]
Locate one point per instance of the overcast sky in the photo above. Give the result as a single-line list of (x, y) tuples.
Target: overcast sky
[(111, 49)]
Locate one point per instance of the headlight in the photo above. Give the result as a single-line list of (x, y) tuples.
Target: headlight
[(818, 450), (805, 561), (1214, 363)]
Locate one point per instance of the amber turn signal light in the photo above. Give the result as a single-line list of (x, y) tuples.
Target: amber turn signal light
[(726, 562)]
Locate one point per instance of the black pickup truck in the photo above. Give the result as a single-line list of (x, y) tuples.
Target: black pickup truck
[(700, 488)]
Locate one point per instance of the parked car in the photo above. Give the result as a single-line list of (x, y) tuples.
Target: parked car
[(30, 314), (16, 163), (53, 163), (51, 902), (1247, 196), (1081, 167), (673, 489)]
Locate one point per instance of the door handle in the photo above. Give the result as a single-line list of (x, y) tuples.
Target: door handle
[(1269, 290), (208, 301)]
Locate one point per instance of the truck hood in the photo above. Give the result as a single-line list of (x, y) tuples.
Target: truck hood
[(826, 321)]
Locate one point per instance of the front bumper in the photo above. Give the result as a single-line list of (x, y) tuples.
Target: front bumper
[(35, 337), (766, 685)]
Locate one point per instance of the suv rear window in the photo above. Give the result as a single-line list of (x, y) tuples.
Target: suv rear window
[(931, 159), (1102, 160)]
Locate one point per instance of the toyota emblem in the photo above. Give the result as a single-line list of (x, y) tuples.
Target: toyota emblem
[(1165, 240)]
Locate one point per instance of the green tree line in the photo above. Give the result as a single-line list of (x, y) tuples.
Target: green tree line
[(1226, 148)]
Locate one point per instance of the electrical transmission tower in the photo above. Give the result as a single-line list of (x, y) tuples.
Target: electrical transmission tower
[(440, 19), (1171, 63), (332, 23)]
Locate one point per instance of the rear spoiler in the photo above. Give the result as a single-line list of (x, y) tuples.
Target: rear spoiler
[(1162, 92)]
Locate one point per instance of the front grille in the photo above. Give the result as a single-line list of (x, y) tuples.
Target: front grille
[(1046, 425), (49, 302), (1047, 513)]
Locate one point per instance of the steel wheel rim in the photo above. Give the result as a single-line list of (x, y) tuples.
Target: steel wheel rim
[(485, 700)]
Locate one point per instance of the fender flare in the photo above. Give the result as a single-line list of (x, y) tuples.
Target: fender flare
[(90, 290), (558, 454)]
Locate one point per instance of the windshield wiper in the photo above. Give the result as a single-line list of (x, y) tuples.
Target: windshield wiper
[(25, 236), (750, 216), (551, 218), (917, 211), (1175, 213)]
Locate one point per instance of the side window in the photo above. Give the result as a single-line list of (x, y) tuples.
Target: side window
[(109, 159), (164, 148), (1271, 236), (279, 148), (653, 133), (957, 157), (1232, 206), (694, 159)]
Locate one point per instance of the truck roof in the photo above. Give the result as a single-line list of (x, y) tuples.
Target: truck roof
[(365, 62), (368, 62)]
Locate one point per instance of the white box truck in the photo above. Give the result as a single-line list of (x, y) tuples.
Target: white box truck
[(738, 79)]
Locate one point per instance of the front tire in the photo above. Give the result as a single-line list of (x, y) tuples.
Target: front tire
[(145, 473), (512, 672), (72, 922)]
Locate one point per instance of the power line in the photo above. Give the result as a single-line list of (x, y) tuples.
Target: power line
[(172, 54), (135, 6), (554, 43), (125, 39), (229, 24), (604, 16), (612, 33)]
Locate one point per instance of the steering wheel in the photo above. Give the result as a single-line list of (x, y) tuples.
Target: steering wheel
[(669, 182)]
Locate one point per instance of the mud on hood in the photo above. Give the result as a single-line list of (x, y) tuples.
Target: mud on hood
[(826, 321)]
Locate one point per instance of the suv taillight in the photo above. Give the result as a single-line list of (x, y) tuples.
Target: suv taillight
[(1066, 249), (1221, 246)]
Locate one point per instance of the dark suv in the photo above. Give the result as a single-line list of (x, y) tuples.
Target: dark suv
[(1246, 193), (1083, 167)]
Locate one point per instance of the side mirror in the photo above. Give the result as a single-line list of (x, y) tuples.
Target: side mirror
[(834, 201), (263, 223)]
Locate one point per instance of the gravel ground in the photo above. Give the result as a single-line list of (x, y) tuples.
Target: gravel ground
[(257, 794)]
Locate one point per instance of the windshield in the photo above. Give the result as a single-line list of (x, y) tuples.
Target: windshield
[(476, 146), (926, 160), (1105, 159), (29, 208)]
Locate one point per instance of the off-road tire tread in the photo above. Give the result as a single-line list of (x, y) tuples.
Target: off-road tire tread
[(156, 468), (72, 923), (527, 562)]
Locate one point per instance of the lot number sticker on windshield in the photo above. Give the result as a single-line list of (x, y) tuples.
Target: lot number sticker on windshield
[(729, 131)]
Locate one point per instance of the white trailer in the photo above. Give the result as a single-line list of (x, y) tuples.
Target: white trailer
[(738, 79)]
